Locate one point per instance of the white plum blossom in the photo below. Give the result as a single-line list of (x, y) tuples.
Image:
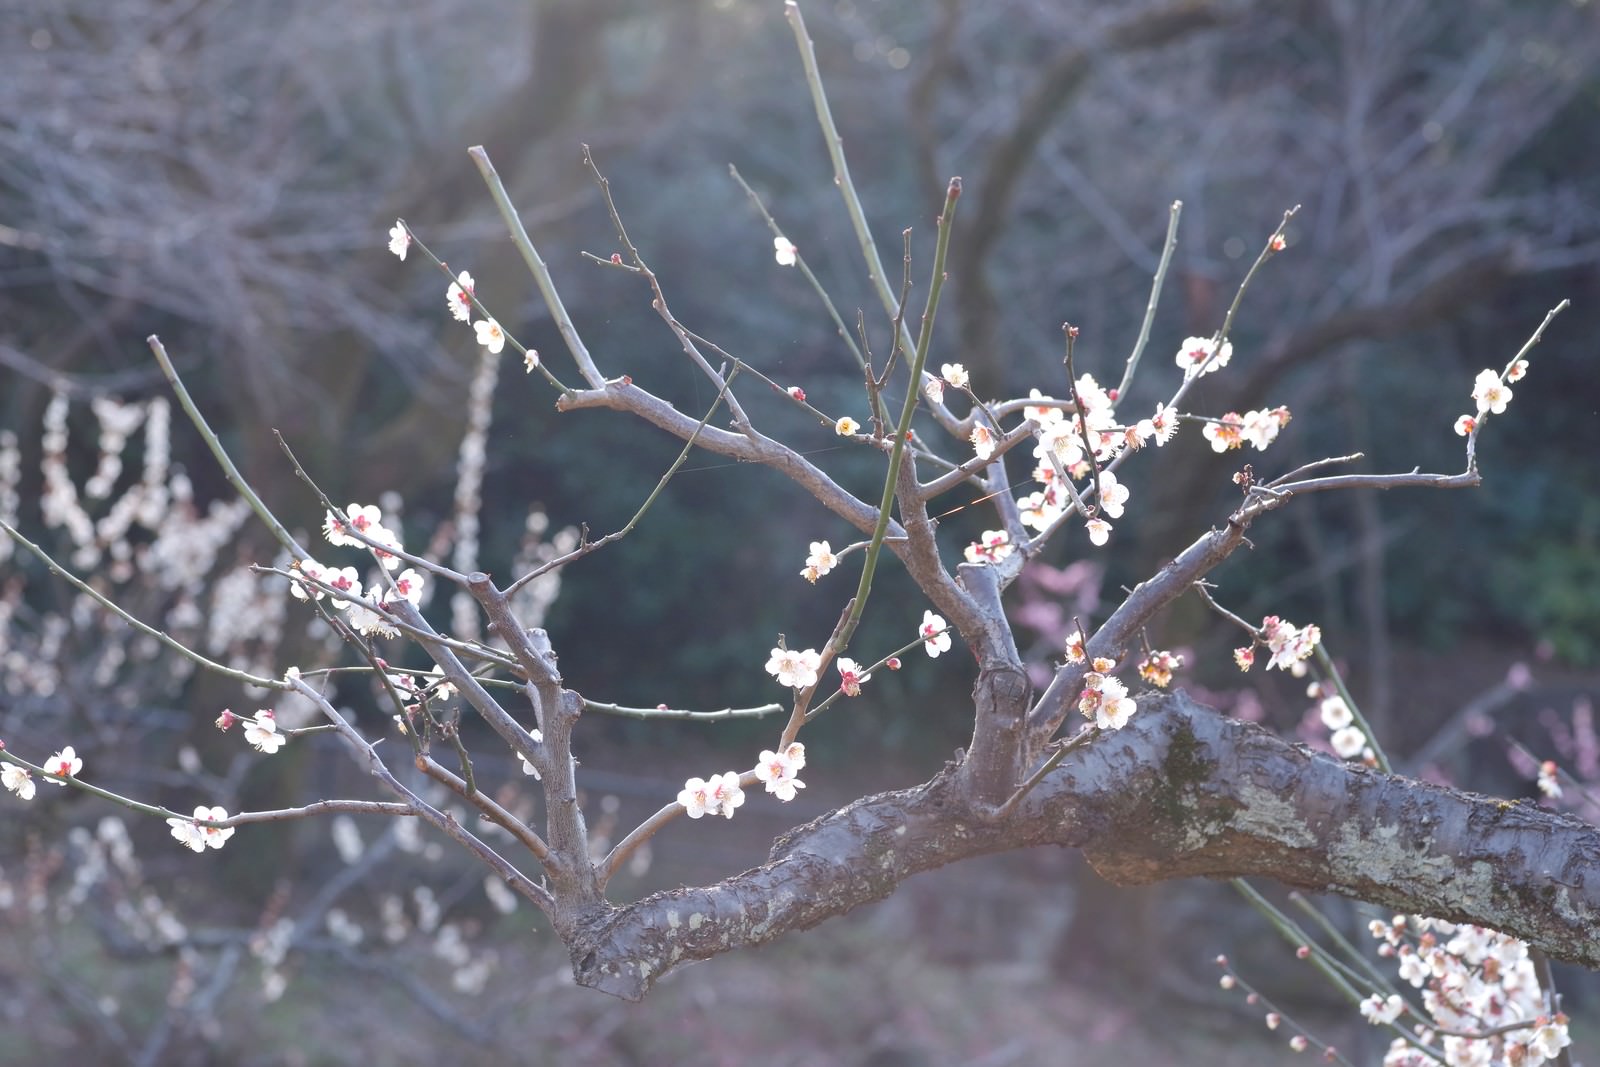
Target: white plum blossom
[(1490, 392), (1336, 713), (262, 732), (347, 582), (1225, 433), (215, 836), (1380, 1011), (17, 779), (1113, 494), (1161, 425), (798, 670), (490, 335), (65, 764), (1105, 699), (1348, 742), (955, 374), (1099, 530), (1199, 356), (363, 518), (369, 622), (1465, 425), (779, 769), (846, 427), (718, 795), (399, 239), (1261, 427), (187, 834), (851, 676), (313, 570), (784, 251), (982, 439), (1549, 1037), (459, 296), (725, 793), (935, 634), (1289, 645), (407, 586), (819, 561), (933, 389), (197, 837), (991, 547)]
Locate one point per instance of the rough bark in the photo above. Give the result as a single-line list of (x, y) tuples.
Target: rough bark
[(1181, 792)]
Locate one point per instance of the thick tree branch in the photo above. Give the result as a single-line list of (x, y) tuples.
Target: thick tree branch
[(1183, 791)]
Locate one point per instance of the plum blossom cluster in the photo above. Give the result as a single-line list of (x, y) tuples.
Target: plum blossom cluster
[(260, 731), (342, 585), (991, 547), (1104, 698), (1484, 1004), (1061, 452), (779, 770), (19, 780), (1290, 646), (718, 795), (1347, 739), (1157, 667), (191, 834), (1256, 428), (952, 374), (1491, 392)]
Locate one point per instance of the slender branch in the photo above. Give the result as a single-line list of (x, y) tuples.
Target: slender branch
[(648, 829), (536, 267), (664, 712), (491, 810), (919, 359), (1155, 298), (852, 199), (799, 260), (659, 304), (235, 479), (367, 754)]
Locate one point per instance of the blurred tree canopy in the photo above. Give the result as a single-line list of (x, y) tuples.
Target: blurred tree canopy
[(223, 175)]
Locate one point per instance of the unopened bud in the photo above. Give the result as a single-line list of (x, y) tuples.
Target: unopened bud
[(226, 719)]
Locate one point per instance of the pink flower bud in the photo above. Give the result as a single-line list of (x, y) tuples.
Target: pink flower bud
[(797, 392), (616, 257), (894, 663), (226, 719)]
